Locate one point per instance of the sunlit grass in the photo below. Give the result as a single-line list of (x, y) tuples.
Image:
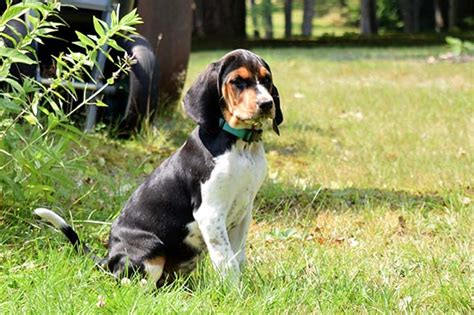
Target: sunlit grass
[(331, 23), (367, 206)]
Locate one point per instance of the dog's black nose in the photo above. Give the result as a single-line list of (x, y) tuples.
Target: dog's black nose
[(265, 105)]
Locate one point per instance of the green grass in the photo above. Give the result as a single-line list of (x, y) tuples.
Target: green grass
[(367, 208), (325, 22)]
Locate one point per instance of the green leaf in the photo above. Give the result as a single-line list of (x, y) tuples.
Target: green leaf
[(53, 121), (453, 41), (15, 56), (113, 43), (469, 46), (99, 103), (14, 84), (9, 105), (31, 119), (13, 12), (84, 40), (98, 27)]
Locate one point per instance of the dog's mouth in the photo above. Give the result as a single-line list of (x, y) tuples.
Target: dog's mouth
[(247, 123)]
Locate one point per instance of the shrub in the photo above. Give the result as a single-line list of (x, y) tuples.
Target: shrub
[(40, 148)]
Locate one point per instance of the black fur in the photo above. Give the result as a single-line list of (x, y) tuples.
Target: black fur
[(153, 221)]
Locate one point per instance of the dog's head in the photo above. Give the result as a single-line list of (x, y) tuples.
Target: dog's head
[(238, 88)]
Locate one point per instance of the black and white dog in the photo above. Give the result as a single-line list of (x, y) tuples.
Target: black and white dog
[(201, 197)]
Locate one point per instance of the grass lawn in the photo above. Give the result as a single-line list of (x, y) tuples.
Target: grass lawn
[(327, 21), (367, 207)]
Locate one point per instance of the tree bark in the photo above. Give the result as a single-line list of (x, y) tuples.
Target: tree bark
[(267, 18), (440, 22), (411, 15), (254, 16), (198, 17), (222, 18), (308, 14), (288, 19), (368, 17), (174, 47), (451, 14)]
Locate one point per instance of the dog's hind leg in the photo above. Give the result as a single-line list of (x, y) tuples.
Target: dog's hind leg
[(154, 268), (122, 266)]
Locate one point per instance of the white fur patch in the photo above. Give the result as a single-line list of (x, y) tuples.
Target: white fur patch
[(194, 238), (227, 199), (51, 217)]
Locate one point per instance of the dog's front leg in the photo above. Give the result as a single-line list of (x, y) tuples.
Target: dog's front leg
[(238, 235), (212, 224)]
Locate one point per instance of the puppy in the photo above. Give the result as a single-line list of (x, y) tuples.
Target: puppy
[(201, 197)]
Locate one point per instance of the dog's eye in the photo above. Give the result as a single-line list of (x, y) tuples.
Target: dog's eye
[(267, 81), (239, 83)]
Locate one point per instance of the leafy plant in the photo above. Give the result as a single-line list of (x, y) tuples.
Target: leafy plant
[(459, 47), (39, 145)]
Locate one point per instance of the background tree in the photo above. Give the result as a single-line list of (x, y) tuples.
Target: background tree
[(198, 16), (254, 16), (220, 18), (288, 20), (368, 17), (267, 18), (411, 15), (308, 15)]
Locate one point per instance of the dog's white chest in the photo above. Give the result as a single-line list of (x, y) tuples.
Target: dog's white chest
[(235, 180), (229, 192)]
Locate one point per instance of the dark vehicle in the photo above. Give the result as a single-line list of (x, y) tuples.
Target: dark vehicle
[(134, 97)]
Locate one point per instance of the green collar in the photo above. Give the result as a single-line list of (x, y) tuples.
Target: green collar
[(248, 135)]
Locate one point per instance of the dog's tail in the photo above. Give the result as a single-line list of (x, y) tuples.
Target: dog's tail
[(67, 230)]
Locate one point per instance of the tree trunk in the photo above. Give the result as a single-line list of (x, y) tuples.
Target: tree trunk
[(368, 17), (308, 14), (451, 14), (411, 15), (174, 47), (288, 20), (267, 18), (222, 18), (198, 14), (440, 23), (254, 15)]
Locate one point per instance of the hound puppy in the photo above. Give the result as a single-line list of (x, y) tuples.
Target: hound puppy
[(202, 196)]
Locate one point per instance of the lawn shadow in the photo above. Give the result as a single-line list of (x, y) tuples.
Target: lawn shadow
[(275, 197)]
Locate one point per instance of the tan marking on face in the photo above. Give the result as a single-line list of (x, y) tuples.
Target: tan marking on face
[(263, 72), (242, 72), (240, 104)]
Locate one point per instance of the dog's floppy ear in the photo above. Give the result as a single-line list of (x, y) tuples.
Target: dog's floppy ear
[(201, 102), (276, 99), (278, 114)]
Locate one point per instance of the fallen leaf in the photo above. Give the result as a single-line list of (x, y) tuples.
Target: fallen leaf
[(402, 225), (339, 240)]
